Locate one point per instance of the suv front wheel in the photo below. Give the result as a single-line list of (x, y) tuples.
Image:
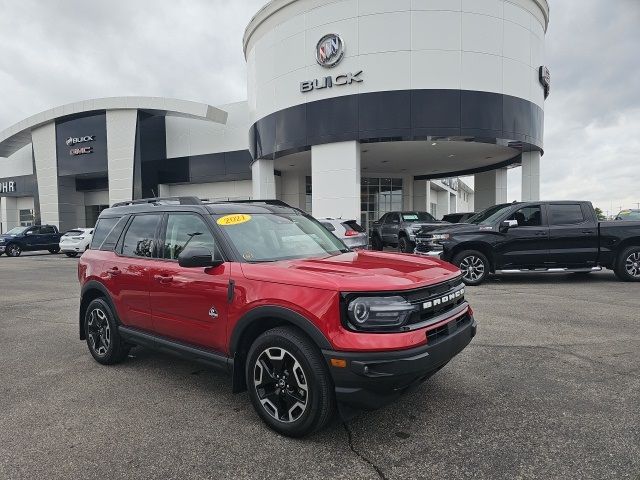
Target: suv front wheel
[(288, 382)]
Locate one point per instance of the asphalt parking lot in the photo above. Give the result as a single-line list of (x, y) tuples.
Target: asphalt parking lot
[(549, 388)]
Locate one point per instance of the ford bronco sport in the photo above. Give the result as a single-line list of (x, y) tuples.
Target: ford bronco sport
[(264, 291)]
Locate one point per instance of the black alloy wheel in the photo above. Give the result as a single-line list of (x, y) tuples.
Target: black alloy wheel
[(54, 250), (628, 265), (71, 254), (289, 383), (473, 265), (101, 331), (13, 250), (405, 245)]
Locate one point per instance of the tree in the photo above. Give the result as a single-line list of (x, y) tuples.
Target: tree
[(599, 214)]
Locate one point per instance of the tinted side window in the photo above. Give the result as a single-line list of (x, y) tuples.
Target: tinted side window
[(186, 230), (528, 216), (103, 228), (139, 238), (111, 241), (328, 226), (566, 214), (47, 230)]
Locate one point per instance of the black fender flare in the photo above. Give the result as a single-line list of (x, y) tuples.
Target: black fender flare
[(89, 286), (281, 313)]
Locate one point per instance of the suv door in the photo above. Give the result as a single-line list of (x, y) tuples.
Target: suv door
[(390, 228), (527, 245), (32, 239), (127, 272), (573, 235), (189, 304)]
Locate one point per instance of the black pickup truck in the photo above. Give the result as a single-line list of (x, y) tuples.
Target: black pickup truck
[(563, 236), (23, 239)]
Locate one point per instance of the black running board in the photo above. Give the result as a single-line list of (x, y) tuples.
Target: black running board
[(182, 350), (552, 270)]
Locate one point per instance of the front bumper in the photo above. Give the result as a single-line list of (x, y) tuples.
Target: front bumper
[(3, 247), (373, 379)]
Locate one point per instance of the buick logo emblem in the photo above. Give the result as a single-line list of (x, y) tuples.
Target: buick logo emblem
[(330, 50), (73, 140)]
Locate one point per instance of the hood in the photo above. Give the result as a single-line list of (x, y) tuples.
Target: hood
[(362, 271)]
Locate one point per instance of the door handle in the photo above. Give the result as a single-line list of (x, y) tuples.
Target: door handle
[(163, 278), (587, 232), (541, 234), (114, 271)]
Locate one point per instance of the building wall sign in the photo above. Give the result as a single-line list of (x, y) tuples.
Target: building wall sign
[(330, 50), (8, 187), (330, 82), (545, 80), (82, 137)]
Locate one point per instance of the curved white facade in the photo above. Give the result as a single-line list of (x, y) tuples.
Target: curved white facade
[(478, 45)]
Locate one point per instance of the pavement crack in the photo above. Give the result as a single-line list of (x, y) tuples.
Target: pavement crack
[(364, 458)]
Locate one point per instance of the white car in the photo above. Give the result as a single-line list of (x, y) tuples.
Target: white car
[(76, 241), (349, 231)]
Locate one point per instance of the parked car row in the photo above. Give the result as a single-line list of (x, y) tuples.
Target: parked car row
[(45, 237)]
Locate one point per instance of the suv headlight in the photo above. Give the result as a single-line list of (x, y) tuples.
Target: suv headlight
[(438, 237), (370, 313)]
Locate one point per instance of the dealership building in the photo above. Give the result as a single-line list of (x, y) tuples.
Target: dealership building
[(355, 108)]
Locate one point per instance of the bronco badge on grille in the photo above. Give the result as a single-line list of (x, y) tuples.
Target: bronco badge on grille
[(444, 300)]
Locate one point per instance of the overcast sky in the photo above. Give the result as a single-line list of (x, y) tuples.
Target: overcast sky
[(52, 53)]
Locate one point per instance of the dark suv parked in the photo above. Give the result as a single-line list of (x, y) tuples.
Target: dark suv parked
[(30, 239), (263, 290)]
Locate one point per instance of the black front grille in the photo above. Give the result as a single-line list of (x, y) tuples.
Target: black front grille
[(431, 301), (447, 329)]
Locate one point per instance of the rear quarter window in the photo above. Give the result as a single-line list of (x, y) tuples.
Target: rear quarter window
[(106, 230)]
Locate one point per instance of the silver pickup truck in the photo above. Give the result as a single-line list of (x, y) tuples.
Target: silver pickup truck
[(399, 229)]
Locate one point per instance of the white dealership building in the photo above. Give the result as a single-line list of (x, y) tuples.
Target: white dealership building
[(355, 108)]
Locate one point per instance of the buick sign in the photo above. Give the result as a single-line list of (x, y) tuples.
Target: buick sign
[(330, 50), (330, 82), (73, 140)]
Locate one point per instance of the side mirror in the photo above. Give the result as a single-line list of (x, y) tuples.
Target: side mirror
[(198, 257), (507, 224)]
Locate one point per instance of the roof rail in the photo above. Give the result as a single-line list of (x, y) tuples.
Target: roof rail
[(161, 201), (277, 203)]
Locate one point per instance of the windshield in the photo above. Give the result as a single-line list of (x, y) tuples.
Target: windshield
[(269, 237), (417, 217), (16, 231), (629, 215), (490, 215)]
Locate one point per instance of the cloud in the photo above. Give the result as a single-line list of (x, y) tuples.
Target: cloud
[(53, 53)]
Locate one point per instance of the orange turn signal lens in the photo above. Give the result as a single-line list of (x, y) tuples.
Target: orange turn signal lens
[(338, 363)]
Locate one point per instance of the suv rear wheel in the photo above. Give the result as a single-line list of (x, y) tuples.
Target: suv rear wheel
[(288, 382), (101, 332), (473, 265), (628, 265)]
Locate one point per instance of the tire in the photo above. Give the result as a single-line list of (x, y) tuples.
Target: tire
[(405, 245), (627, 266), (13, 250), (376, 243), (101, 331), (54, 250), (285, 355), (474, 266), (71, 254)]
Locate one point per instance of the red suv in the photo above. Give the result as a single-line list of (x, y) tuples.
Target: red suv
[(265, 291)]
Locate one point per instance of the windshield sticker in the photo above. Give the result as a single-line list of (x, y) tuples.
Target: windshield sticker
[(408, 218), (236, 219)]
